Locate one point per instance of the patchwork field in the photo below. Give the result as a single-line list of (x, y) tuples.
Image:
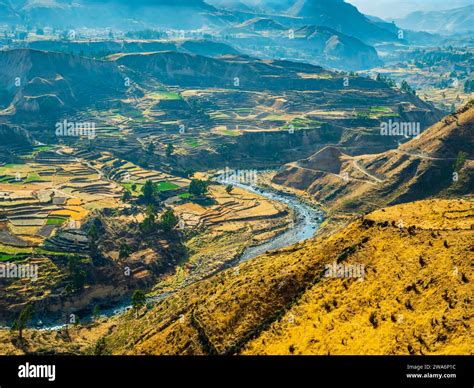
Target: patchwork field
[(232, 223)]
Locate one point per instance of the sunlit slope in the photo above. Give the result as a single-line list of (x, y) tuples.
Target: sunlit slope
[(415, 296), (418, 169)]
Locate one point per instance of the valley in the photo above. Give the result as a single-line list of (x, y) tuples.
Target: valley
[(233, 178)]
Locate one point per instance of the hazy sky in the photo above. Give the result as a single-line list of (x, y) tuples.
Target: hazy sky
[(393, 9)]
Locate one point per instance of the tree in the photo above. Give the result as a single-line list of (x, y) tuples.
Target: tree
[(460, 160), (92, 233), (126, 196), (148, 224), (96, 312), (405, 87), (124, 251), (197, 187), (189, 172), (149, 192), (229, 189), (138, 300), (400, 110), (100, 346), (169, 150), (22, 320), (77, 273), (151, 148), (168, 221), (469, 86)]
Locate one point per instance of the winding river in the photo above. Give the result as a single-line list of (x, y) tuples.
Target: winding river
[(307, 220)]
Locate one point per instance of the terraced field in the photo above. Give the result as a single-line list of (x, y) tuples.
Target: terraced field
[(227, 227), (50, 193), (48, 220)]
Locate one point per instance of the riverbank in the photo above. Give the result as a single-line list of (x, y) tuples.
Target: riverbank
[(305, 221)]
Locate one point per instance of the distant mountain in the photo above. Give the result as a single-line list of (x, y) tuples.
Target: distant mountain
[(7, 12), (182, 15), (99, 48), (232, 4), (334, 49), (318, 45), (447, 22), (341, 16), (261, 24), (418, 169), (118, 13), (45, 82)]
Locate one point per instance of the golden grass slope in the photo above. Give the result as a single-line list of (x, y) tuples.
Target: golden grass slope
[(416, 297)]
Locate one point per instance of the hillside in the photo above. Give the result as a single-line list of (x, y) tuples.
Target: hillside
[(318, 45), (232, 104), (261, 24), (410, 301), (451, 21), (420, 168), (343, 17), (98, 48), (335, 49), (47, 82), (118, 13), (223, 313)]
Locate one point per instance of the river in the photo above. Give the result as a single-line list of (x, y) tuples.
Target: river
[(307, 220)]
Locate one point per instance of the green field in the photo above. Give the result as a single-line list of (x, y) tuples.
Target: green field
[(302, 123), (55, 221), (192, 142), (381, 109), (160, 186), (166, 186), (165, 95), (138, 188), (229, 132), (244, 110)]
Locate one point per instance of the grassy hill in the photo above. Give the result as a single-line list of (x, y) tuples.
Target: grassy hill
[(410, 301), (46, 82), (437, 163), (449, 21), (342, 16), (414, 300)]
